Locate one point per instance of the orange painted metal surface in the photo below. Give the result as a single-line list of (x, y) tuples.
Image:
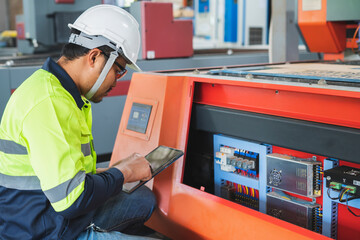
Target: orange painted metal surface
[(188, 213), (305, 103), (319, 34), (333, 56)]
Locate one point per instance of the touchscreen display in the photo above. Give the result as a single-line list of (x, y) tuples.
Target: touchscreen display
[(139, 117), (160, 158)]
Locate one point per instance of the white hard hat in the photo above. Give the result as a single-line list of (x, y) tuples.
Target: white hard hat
[(115, 24), (112, 26)]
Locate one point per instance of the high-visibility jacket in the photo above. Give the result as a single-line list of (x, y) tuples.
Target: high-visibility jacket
[(48, 185)]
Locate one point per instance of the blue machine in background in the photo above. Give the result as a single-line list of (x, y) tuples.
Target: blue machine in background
[(231, 23)]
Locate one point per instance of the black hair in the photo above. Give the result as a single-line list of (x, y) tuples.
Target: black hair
[(73, 51)]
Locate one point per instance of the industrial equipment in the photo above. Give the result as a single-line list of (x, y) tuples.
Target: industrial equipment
[(43, 25), (230, 24), (294, 210), (229, 116), (162, 36), (344, 178), (296, 175), (240, 172), (329, 26)]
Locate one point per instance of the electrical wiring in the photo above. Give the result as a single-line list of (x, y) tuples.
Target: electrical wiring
[(333, 198), (340, 198), (347, 206), (342, 195)]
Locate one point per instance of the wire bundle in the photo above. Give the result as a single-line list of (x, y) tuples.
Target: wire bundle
[(244, 195), (340, 197)]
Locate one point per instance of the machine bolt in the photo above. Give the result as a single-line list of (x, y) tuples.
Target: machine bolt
[(322, 82), (196, 71), (249, 76)]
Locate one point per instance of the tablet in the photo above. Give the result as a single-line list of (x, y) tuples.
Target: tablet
[(159, 159)]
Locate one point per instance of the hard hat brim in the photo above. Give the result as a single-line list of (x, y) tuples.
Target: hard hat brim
[(135, 67)]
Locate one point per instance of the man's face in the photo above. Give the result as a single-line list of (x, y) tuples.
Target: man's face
[(110, 79)]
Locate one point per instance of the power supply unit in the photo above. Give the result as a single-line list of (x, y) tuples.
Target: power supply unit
[(294, 210), (296, 175)]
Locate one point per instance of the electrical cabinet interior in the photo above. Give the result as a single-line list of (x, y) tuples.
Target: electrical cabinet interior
[(229, 122)]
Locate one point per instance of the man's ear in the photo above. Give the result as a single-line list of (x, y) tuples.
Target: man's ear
[(93, 57)]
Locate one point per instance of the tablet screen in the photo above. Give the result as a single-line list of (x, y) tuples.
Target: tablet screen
[(160, 158)]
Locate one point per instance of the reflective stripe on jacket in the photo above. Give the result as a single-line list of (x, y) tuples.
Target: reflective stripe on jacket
[(42, 129)]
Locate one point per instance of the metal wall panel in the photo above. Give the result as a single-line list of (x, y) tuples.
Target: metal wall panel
[(344, 10)]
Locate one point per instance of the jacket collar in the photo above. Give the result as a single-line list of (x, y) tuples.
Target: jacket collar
[(65, 80)]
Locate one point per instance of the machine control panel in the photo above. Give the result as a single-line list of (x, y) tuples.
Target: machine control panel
[(139, 117)]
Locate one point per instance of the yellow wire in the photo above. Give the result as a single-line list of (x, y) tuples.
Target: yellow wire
[(343, 194)]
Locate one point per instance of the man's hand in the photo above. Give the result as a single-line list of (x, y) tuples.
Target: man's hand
[(100, 170), (134, 168)]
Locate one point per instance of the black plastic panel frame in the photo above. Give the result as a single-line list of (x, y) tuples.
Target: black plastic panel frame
[(322, 139)]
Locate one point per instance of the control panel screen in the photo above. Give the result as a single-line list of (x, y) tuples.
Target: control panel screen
[(139, 117)]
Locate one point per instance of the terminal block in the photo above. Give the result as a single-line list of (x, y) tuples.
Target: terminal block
[(237, 160), (343, 177)]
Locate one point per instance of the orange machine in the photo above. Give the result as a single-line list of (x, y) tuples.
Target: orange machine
[(328, 26), (184, 109), (321, 35)]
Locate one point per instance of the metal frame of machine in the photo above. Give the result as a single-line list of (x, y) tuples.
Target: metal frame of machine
[(306, 117)]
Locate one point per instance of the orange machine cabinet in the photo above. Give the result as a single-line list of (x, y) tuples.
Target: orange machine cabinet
[(320, 35), (187, 212)]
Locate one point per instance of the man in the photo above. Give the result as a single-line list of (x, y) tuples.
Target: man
[(49, 185)]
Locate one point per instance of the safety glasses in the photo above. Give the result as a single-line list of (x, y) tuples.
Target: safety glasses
[(122, 72)]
